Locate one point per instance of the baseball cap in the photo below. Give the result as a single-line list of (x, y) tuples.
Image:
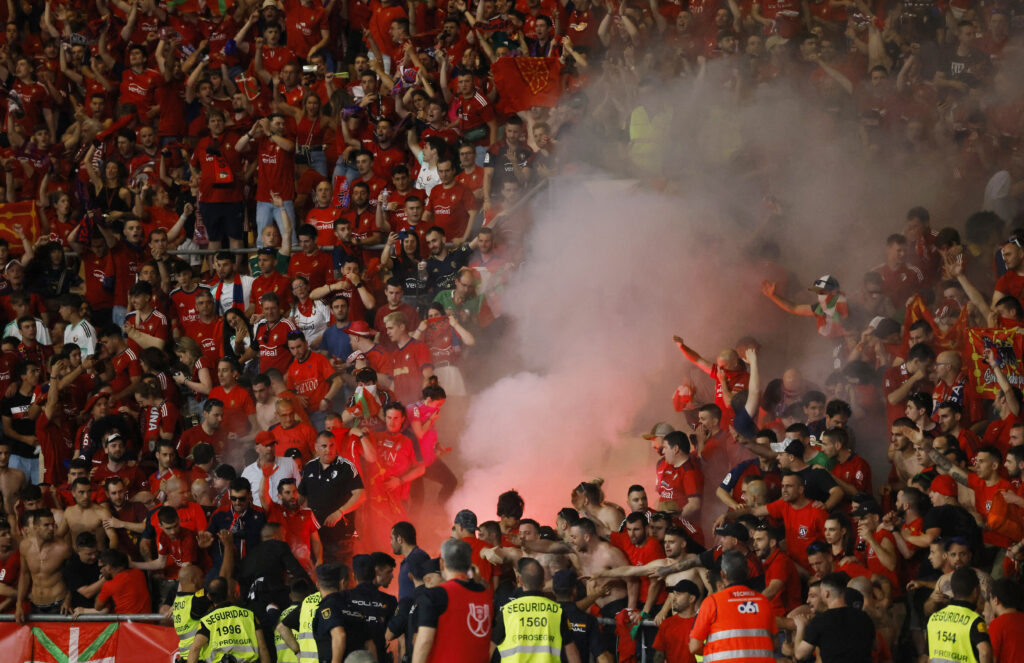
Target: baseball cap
[(885, 327), (734, 530), (685, 587), (265, 438), (944, 485), (359, 328), (661, 429), (563, 581), (864, 508), (789, 445), (466, 519), (825, 283), (268, 3)]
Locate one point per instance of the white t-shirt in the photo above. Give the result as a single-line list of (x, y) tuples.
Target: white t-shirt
[(428, 177), (286, 469), (315, 324), (223, 293), (42, 333), (83, 335)]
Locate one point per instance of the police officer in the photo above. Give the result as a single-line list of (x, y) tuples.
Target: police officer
[(376, 606), (190, 605), (583, 625), (453, 620), (532, 628), (228, 632), (328, 629), (958, 632), (735, 622)]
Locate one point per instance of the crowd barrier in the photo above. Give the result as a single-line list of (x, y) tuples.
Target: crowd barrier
[(87, 639)]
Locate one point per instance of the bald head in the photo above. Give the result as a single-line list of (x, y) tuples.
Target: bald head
[(729, 359), (190, 577), (952, 358)]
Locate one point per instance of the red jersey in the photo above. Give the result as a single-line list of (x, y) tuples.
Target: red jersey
[(196, 435), (451, 208), (301, 436), (273, 344), (855, 471), (485, 568), (99, 280), (323, 218), (385, 310), (396, 456), (299, 527), (983, 494), (126, 366), (317, 268), (209, 336), (673, 639), (134, 479), (1011, 283), (869, 558), (473, 181), (139, 89), (185, 304), (310, 378), (155, 324), (1007, 635), (736, 381), (405, 366), (276, 171), (892, 380), (998, 432), (156, 421), (274, 282), (803, 526), (303, 25), (472, 113), (10, 570), (220, 169), (679, 484), (179, 552), (645, 553), (779, 566), (129, 591), (901, 283), (56, 444), (238, 407)]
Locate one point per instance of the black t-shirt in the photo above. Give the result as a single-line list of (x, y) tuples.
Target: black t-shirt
[(326, 489), (584, 632), (953, 520), (268, 563), (16, 407), (334, 610), (401, 623), (817, 483), (842, 635), (377, 609), (78, 574)]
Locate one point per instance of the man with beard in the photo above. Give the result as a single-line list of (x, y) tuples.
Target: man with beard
[(301, 529), (42, 557), (595, 556), (118, 466), (333, 490)]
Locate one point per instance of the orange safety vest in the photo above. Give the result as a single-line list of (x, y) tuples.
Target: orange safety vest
[(742, 625)]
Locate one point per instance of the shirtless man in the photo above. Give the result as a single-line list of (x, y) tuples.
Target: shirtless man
[(42, 557), (551, 555), (87, 516), (12, 480), (675, 551), (588, 499)]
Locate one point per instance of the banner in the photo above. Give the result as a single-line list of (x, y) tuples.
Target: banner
[(24, 214), (945, 339), (87, 642), (1009, 347), (526, 82)]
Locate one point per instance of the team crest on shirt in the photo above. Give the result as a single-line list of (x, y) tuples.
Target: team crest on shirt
[(478, 619), (803, 531)]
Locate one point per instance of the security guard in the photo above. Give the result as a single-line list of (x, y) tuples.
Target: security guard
[(736, 622), (957, 632), (286, 640), (227, 632), (533, 628), (190, 605)]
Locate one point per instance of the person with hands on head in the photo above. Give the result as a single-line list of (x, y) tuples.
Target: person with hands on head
[(275, 170)]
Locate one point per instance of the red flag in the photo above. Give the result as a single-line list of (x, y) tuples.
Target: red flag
[(527, 82), (1008, 344), (23, 214)]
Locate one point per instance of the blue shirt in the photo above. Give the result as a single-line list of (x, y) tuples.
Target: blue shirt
[(405, 585), (336, 342)]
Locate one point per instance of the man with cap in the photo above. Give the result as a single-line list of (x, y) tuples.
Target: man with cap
[(657, 435), (803, 520), (947, 518), (266, 473), (735, 537), (734, 623), (680, 479), (828, 312), (532, 627), (876, 547), (464, 529), (583, 625), (455, 618), (362, 342), (671, 645)]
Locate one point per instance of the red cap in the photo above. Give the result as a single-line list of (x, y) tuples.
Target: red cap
[(91, 403), (360, 328), (944, 485), (265, 438)]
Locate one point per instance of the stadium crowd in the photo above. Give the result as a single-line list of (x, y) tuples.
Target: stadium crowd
[(253, 245)]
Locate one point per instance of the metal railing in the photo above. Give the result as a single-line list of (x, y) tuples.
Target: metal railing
[(149, 617)]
